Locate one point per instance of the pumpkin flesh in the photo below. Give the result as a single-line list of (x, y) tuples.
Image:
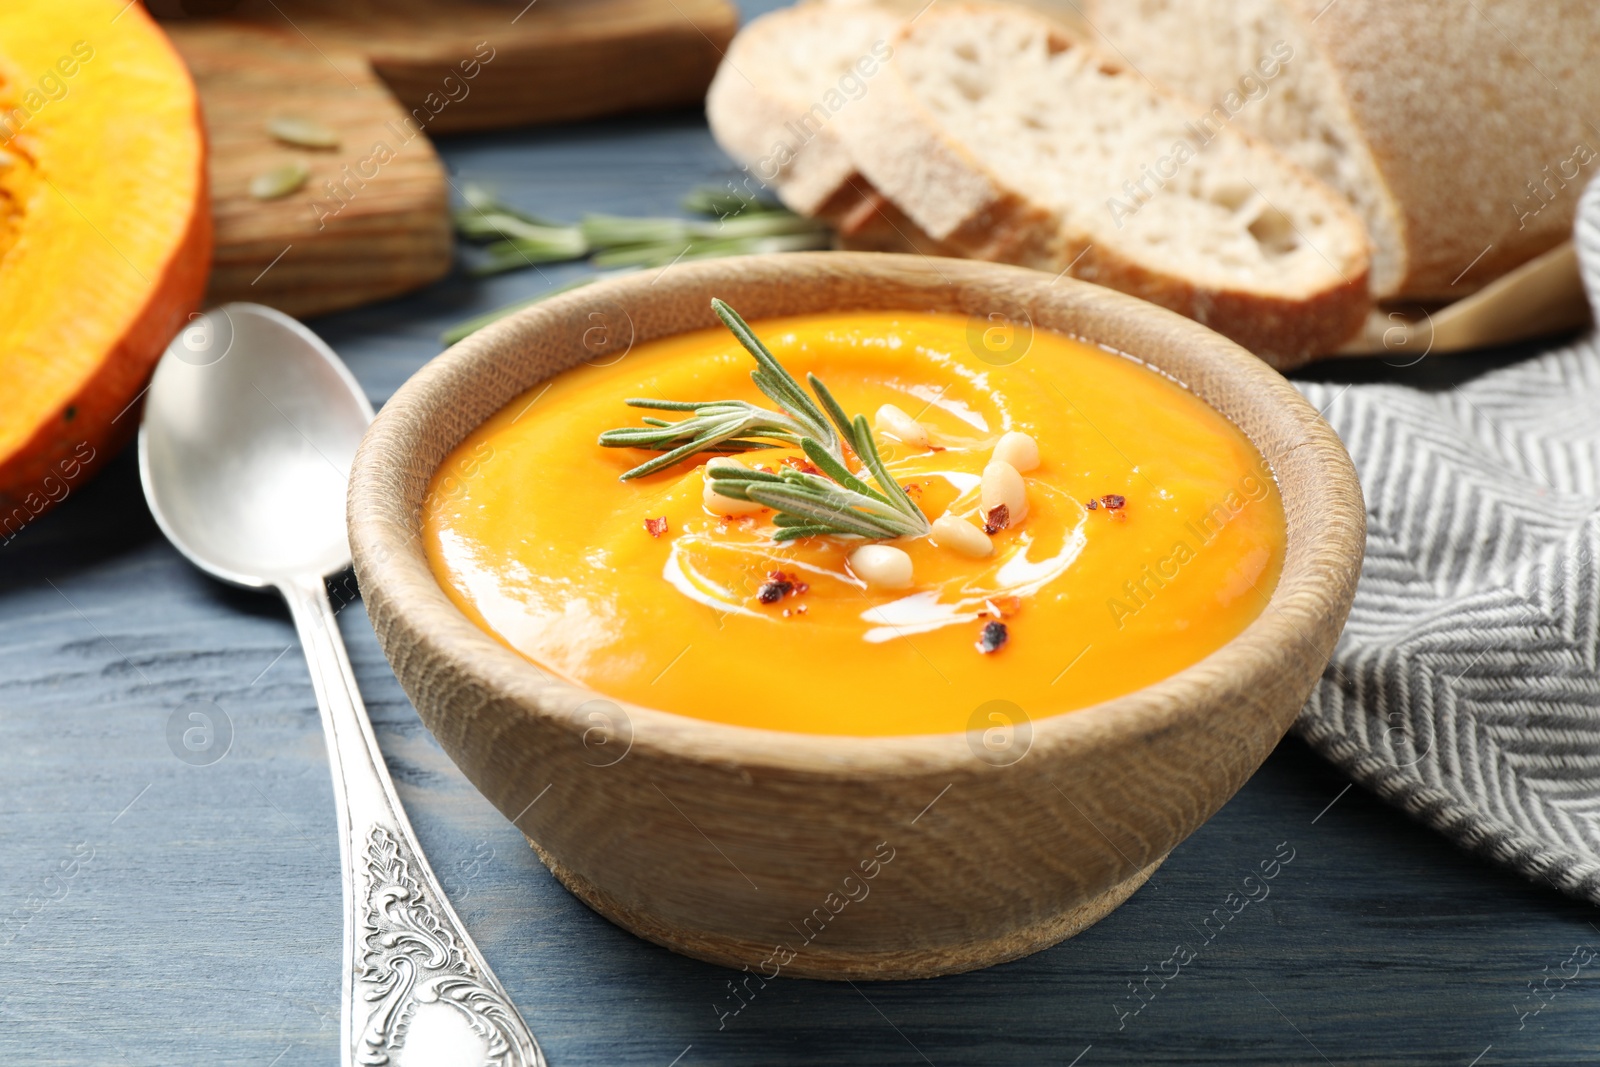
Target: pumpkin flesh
[(105, 234)]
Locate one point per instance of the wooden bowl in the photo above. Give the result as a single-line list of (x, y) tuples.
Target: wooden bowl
[(849, 857)]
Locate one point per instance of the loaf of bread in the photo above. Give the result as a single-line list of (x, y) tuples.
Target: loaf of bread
[(1462, 133), (988, 131), (1002, 136)]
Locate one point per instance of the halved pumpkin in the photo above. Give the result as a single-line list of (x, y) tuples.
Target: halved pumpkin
[(105, 234)]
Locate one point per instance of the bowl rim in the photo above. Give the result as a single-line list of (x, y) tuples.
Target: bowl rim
[(1325, 536)]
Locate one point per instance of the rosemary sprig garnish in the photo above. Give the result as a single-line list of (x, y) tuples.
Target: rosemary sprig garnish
[(807, 504), (727, 425)]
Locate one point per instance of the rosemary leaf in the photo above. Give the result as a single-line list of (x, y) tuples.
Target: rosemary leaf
[(609, 231), (711, 428), (776, 382), (820, 494), (662, 253), (839, 472), (654, 254), (751, 226), (722, 203), (483, 203), (867, 449), (823, 513), (735, 483), (673, 405), (794, 533)]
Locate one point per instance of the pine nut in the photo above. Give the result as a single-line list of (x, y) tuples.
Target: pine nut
[(961, 536), (902, 427), (1019, 450), (718, 504), (881, 566), (1004, 487)]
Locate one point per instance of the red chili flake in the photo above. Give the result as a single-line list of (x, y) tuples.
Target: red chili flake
[(993, 636), (656, 527), (801, 587), (1113, 502), (998, 519), (778, 585), (1093, 505), (763, 468), (801, 465), (913, 490)]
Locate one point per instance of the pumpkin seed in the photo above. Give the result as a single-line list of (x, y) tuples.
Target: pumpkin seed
[(302, 132), (280, 181)]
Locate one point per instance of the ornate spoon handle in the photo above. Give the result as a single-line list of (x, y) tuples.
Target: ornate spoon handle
[(412, 975)]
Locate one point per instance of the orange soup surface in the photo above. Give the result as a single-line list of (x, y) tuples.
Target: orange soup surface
[(1154, 535)]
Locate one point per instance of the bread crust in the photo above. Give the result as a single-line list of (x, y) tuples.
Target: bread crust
[(1285, 334)]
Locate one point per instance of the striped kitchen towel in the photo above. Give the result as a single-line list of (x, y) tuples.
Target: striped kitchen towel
[(1466, 687)]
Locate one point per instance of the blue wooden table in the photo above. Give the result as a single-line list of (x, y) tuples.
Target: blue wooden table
[(158, 910)]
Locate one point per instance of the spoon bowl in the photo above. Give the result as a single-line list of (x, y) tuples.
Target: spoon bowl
[(250, 426)]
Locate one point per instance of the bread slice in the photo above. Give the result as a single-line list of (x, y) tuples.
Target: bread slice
[(787, 76), (1002, 137), (1458, 133), (789, 72)]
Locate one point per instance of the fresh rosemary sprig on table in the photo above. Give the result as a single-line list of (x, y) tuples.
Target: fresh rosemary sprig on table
[(514, 239), (733, 223), (807, 504)]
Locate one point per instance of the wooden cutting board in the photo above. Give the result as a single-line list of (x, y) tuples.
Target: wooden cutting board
[(373, 220), (359, 230), (484, 64)]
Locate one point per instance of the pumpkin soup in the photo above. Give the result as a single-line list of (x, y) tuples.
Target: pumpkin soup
[(916, 531)]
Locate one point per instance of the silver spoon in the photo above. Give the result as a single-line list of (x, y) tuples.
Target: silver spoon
[(250, 425)]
